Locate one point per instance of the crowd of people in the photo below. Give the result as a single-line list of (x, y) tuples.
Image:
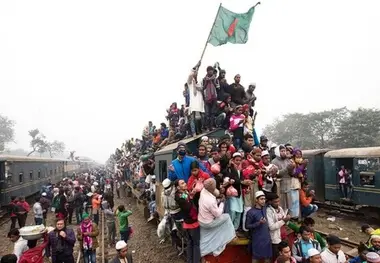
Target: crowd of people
[(241, 186), (84, 196), (238, 186)]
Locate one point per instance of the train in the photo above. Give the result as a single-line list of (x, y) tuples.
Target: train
[(25, 176), (323, 167), (322, 175), (322, 170)]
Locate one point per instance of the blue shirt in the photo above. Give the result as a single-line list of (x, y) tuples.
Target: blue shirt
[(305, 246), (182, 168)]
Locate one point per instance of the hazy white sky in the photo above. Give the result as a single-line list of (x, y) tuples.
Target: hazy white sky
[(92, 73)]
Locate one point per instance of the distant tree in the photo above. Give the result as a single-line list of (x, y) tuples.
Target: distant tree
[(360, 129), (336, 128), (6, 131), (55, 147), (292, 128), (324, 125), (38, 142)]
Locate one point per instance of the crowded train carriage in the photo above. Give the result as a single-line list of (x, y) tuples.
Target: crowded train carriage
[(217, 187), (316, 167)]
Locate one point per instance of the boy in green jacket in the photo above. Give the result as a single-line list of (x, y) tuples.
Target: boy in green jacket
[(308, 221), (122, 215)]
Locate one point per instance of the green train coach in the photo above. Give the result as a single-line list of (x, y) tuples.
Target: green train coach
[(323, 169), (25, 176)]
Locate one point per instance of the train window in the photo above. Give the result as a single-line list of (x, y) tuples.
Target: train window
[(55, 171), (367, 179), (162, 170), (51, 172), (21, 177), (31, 175), (39, 174)]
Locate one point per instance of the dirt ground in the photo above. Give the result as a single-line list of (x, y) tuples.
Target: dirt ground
[(344, 227), (144, 243)]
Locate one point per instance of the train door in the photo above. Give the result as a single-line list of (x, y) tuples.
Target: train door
[(348, 164)]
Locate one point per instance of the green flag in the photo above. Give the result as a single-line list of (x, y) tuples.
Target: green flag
[(231, 27)]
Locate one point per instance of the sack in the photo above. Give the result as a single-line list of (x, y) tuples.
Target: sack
[(161, 227), (34, 255), (215, 168), (198, 186), (231, 191)]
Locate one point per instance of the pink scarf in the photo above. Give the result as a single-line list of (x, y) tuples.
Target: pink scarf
[(87, 240)]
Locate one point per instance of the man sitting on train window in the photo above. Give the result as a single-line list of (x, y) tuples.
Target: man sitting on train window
[(180, 167), (306, 197)]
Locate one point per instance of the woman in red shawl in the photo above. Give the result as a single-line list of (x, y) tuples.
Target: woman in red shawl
[(195, 182)]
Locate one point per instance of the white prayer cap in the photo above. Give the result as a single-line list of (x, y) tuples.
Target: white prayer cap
[(265, 152), (153, 177), (259, 193), (166, 183), (237, 154), (313, 252), (120, 245), (373, 257), (44, 194), (204, 138), (95, 183)]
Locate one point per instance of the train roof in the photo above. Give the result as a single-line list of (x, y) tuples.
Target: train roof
[(314, 152), (354, 153), (16, 158), (171, 147)]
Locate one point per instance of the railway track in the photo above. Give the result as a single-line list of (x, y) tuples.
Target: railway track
[(4, 216), (352, 212)]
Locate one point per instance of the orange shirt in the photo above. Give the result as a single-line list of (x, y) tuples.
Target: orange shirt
[(305, 201), (95, 203)]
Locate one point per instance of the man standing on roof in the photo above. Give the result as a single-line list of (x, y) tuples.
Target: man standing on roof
[(210, 85), (180, 167)]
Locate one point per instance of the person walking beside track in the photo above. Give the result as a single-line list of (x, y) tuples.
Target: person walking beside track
[(86, 234), (123, 215), (61, 243)]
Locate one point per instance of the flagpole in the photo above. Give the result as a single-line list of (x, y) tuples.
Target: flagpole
[(204, 49)]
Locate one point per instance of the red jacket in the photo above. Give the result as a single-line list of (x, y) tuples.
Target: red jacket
[(202, 176), (252, 170)]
